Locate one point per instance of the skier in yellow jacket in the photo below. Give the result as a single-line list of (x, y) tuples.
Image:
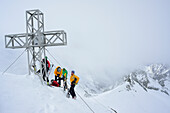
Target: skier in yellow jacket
[(58, 73), (74, 81)]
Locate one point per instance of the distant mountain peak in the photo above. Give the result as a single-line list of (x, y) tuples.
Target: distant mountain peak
[(152, 77)]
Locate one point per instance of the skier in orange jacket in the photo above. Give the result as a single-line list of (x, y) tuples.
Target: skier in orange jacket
[(74, 81), (58, 73)]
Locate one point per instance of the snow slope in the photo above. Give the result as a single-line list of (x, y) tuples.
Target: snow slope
[(138, 101), (26, 94)]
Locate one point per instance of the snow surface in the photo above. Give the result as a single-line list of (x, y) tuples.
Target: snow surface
[(26, 94)]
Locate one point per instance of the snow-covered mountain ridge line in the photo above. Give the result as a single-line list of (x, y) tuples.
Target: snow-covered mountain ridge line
[(152, 77)]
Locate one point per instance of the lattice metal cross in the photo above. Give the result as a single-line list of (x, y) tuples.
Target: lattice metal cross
[(35, 39)]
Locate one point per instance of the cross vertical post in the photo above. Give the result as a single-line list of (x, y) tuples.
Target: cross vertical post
[(35, 27)]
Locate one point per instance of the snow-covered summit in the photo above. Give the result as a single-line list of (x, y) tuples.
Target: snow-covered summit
[(152, 77)]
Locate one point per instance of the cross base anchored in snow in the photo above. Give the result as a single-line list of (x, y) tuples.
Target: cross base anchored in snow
[(35, 39)]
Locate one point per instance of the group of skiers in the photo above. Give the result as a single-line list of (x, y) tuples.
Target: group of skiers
[(60, 74)]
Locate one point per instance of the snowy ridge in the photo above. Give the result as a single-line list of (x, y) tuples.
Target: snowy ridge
[(153, 77)]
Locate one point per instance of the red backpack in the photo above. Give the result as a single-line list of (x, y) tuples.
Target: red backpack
[(55, 83)]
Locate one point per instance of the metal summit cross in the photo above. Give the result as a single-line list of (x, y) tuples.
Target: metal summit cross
[(35, 39)]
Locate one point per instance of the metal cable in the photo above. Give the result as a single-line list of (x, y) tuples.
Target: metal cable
[(14, 61), (53, 57), (110, 109), (85, 102), (82, 99)]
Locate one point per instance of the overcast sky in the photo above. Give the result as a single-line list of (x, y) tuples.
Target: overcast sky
[(105, 37)]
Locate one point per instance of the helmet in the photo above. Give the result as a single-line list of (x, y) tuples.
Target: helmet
[(59, 69), (64, 69), (72, 71), (45, 57)]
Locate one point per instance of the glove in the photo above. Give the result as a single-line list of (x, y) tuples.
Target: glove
[(65, 79), (72, 82)]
